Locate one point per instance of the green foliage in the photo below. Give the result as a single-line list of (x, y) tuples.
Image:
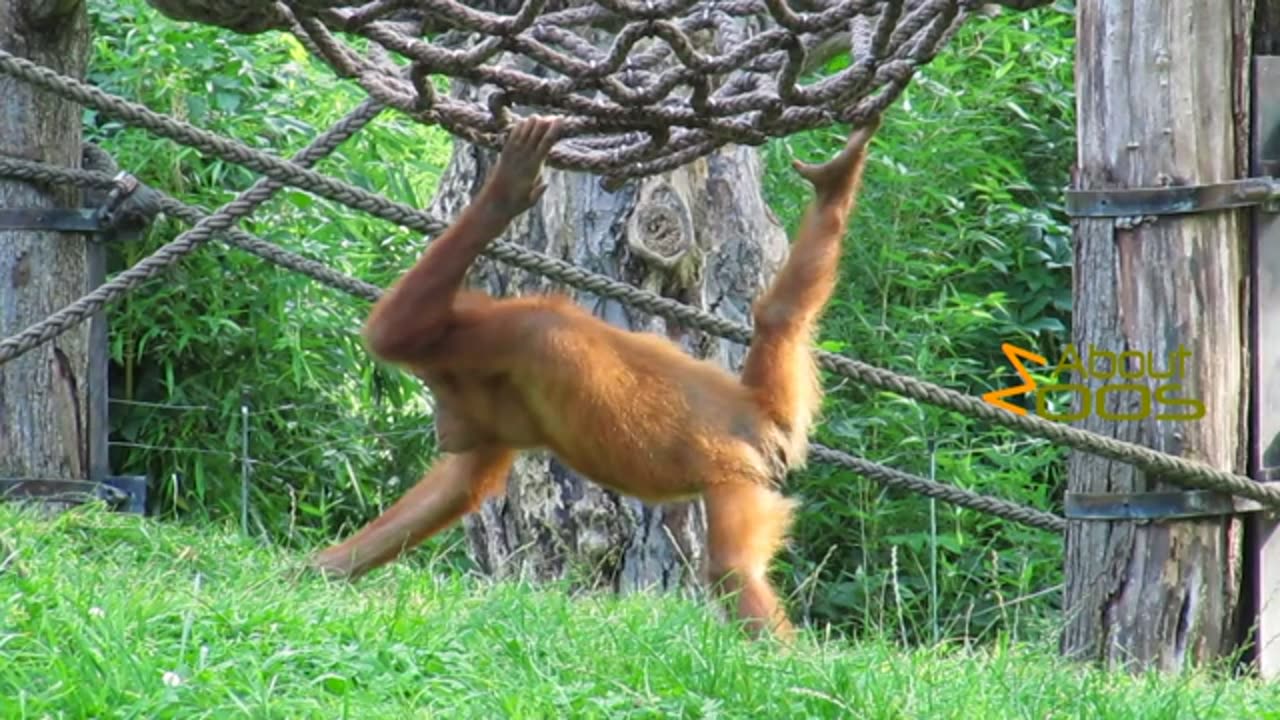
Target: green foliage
[(110, 616), (330, 436), (959, 243)]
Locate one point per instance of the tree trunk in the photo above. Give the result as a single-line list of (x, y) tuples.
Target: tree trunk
[(1157, 81), (710, 215), (42, 393)]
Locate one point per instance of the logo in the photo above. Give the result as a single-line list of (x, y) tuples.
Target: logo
[(1142, 388)]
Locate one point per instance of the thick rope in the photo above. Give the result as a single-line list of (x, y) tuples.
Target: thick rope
[(36, 172), (1162, 466), (357, 198), (899, 480), (186, 243), (275, 168), (895, 479)]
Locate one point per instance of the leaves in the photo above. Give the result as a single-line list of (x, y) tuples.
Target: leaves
[(222, 323), (958, 243)]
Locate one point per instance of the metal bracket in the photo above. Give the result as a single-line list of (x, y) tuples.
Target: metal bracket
[(127, 493), (67, 491), (86, 221), (1151, 506), (125, 186), (96, 220), (1174, 199)]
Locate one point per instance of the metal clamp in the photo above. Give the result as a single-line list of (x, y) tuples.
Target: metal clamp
[(83, 221), (68, 491), (1174, 199), (1154, 506), (95, 220), (126, 493), (125, 186)]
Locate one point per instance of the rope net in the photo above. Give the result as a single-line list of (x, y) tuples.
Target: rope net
[(646, 85)]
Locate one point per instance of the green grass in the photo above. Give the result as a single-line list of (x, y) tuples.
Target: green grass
[(110, 616)]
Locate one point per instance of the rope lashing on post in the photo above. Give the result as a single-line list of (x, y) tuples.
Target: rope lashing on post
[(1167, 467), (186, 243), (30, 171)]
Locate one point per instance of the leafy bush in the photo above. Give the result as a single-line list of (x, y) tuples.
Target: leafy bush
[(330, 437)]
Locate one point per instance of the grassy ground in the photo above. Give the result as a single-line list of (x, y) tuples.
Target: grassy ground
[(108, 616)]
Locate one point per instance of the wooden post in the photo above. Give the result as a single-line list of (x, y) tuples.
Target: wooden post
[(1158, 86), (1263, 546), (125, 228), (1262, 559), (42, 394)]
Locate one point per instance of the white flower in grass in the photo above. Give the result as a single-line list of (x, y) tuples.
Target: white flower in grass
[(171, 678), (96, 612)]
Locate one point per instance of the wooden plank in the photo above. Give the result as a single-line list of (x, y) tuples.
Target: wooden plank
[(1263, 552), (1155, 97)]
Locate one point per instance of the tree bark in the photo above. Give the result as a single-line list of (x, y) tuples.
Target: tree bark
[(702, 234), (242, 16), (42, 394), (1157, 82)]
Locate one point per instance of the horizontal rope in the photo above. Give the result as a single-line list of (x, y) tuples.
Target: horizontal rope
[(186, 243), (38, 172), (1165, 467), (899, 480)]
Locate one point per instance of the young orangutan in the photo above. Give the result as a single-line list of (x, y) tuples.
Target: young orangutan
[(629, 410)]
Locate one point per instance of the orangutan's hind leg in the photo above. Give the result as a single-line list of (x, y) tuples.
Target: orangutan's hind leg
[(746, 526)]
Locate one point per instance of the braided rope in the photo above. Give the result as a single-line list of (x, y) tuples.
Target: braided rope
[(1190, 473), (357, 198), (280, 170), (186, 243), (40, 172), (1167, 467), (899, 480), (37, 172)]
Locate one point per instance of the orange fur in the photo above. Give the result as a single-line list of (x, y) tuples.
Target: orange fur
[(629, 410)]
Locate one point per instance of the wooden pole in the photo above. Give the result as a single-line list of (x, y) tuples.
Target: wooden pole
[(1159, 87), (1262, 569), (42, 394), (1262, 557)]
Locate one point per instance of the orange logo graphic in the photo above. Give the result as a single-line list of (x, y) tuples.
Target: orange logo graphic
[(1131, 400), (1013, 352)]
